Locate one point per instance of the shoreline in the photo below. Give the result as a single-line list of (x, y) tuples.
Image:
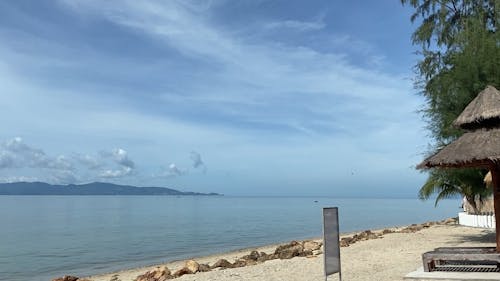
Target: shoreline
[(234, 255), (239, 251), (242, 251)]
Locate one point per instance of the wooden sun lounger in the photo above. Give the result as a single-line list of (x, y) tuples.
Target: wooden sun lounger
[(462, 259)]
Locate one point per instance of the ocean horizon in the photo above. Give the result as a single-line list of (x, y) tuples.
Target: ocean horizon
[(48, 236)]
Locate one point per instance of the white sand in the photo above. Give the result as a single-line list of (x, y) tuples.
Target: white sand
[(388, 258)]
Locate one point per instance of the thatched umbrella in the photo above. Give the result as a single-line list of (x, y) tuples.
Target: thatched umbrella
[(479, 146)]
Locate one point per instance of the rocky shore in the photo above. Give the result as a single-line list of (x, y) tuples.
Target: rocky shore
[(302, 252)]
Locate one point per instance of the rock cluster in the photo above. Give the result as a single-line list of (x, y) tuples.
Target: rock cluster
[(297, 249), (286, 251), (163, 273), (290, 250), (158, 274), (367, 234)]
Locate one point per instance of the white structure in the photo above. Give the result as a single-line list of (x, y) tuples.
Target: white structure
[(484, 221)]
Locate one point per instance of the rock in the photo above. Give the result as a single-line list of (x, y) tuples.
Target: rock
[(162, 272), (311, 245), (273, 256), (289, 251), (157, 274), (319, 252), (367, 235), (264, 257), (387, 231), (251, 262), (192, 265), (240, 263), (450, 221), (344, 243), (222, 263), (203, 268), (253, 256), (411, 229), (182, 271), (66, 278), (355, 238), (115, 278), (306, 253)]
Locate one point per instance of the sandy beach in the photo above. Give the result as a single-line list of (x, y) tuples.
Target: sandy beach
[(390, 257)]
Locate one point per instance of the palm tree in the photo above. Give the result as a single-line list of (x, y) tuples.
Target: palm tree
[(446, 183)]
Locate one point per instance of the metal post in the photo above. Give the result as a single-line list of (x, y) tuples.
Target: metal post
[(331, 244)]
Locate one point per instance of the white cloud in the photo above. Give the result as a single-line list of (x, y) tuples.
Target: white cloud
[(125, 171), (11, 179), (14, 153), (120, 157), (89, 161), (16, 156), (173, 170)]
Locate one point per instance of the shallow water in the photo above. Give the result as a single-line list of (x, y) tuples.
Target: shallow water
[(42, 237)]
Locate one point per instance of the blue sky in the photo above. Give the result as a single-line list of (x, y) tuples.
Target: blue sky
[(237, 97)]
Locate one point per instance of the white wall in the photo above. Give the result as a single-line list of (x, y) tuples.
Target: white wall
[(485, 221)]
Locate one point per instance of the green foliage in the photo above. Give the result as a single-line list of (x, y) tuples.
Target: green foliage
[(450, 183), (460, 50)]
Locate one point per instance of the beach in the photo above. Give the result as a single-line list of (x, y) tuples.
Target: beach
[(390, 256)]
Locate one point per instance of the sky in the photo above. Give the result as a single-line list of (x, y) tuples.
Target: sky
[(248, 97)]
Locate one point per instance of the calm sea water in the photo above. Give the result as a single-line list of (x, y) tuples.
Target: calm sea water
[(42, 237)]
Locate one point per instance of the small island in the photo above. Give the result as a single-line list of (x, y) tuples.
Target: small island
[(94, 188)]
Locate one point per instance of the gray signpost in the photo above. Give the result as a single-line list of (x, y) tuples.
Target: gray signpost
[(331, 245)]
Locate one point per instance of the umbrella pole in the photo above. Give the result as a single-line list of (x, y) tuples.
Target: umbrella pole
[(495, 173)]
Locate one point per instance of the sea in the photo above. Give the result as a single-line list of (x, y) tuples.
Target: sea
[(43, 237)]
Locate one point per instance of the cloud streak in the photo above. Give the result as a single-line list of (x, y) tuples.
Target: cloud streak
[(297, 25), (258, 84)]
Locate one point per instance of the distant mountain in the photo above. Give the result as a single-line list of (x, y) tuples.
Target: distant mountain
[(95, 188)]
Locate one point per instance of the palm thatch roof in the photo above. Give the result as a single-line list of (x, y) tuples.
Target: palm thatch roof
[(483, 111), (479, 148)]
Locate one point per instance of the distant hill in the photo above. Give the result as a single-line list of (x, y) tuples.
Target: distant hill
[(95, 188)]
